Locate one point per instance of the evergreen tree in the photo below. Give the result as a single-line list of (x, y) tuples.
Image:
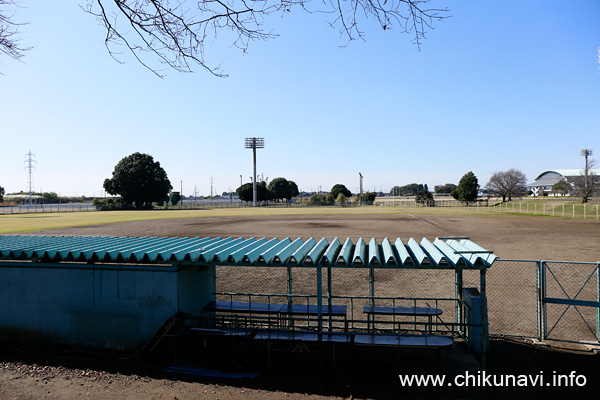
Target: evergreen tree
[(339, 188), (139, 180), (467, 188)]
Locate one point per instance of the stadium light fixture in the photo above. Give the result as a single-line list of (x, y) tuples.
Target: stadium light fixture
[(254, 143)]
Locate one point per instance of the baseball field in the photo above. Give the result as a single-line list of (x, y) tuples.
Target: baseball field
[(28, 373)]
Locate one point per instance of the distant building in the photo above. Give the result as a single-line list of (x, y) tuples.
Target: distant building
[(544, 182)]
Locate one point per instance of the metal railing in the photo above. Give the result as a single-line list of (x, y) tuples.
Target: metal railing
[(550, 209), (47, 208), (355, 320)]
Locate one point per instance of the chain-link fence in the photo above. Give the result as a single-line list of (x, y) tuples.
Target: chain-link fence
[(512, 295), (526, 298), (543, 299), (47, 208), (355, 288)]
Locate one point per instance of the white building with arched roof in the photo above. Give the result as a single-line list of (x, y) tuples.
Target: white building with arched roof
[(544, 181)]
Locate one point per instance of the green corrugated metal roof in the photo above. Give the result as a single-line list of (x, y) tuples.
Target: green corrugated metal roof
[(449, 253)]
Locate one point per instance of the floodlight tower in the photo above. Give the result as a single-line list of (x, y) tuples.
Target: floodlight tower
[(586, 153), (254, 143)]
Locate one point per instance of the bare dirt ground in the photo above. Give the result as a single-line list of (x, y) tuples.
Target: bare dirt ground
[(510, 237), (34, 372)]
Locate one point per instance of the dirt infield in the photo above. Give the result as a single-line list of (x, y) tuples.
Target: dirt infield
[(510, 237)]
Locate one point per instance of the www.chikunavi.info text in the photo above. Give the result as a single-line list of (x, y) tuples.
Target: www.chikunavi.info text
[(483, 379)]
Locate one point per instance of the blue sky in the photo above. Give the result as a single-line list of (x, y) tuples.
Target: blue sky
[(499, 85)]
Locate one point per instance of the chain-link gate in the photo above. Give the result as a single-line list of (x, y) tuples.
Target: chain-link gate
[(544, 300), (570, 301)]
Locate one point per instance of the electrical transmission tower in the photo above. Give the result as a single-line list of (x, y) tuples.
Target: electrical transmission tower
[(29, 167)]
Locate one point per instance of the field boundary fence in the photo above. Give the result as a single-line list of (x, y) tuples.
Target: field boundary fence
[(542, 300), (576, 211), (47, 208), (584, 211), (545, 300)]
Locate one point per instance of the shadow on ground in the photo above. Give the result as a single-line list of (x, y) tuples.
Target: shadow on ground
[(358, 373)]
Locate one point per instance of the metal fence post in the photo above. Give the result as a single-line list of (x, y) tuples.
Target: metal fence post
[(598, 300), (485, 331), (289, 284), (329, 304), (543, 293), (371, 294), (214, 282), (540, 285), (319, 300), (458, 280)]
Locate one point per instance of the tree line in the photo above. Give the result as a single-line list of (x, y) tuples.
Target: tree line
[(140, 181), (505, 184), (281, 189), (278, 189)]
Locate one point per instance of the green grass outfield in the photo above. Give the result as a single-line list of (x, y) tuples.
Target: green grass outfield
[(15, 223)]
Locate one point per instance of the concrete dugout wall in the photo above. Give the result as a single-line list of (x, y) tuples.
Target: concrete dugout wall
[(104, 306)]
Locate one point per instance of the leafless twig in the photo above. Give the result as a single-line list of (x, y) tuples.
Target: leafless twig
[(177, 33), (9, 31)]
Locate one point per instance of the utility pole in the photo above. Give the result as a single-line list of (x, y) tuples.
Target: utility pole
[(254, 143)]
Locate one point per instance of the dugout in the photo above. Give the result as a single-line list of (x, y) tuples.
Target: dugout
[(117, 292)]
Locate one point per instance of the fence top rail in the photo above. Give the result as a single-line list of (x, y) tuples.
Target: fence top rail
[(448, 253), (594, 263)]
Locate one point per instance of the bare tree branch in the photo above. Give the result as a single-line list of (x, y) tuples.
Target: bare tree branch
[(507, 183), (176, 33), (9, 30), (587, 183)]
